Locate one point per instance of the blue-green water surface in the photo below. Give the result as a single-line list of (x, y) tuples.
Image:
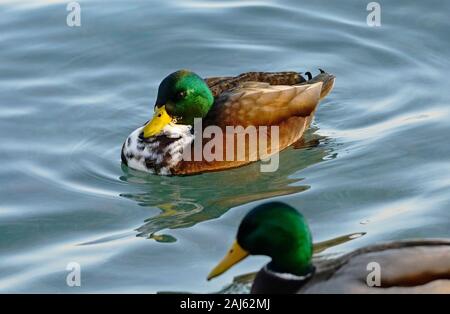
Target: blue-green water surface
[(376, 160)]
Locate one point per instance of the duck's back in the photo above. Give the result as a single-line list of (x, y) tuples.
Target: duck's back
[(274, 108), (421, 266), (219, 85)]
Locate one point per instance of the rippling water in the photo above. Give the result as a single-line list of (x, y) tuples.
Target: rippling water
[(377, 159)]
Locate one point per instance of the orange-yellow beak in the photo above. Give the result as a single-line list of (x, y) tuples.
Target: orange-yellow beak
[(160, 119), (235, 254)]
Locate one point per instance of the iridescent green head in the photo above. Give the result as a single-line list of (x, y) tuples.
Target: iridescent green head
[(276, 230), (182, 97)]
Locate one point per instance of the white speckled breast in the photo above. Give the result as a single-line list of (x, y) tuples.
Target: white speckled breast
[(158, 154)]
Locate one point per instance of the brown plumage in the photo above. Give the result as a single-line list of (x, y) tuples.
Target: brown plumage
[(219, 85), (283, 99)]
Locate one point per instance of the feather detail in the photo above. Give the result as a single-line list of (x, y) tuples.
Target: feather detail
[(261, 104), (159, 154)]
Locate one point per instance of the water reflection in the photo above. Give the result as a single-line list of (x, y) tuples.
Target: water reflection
[(186, 201)]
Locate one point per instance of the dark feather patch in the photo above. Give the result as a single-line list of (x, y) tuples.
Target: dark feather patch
[(122, 155)]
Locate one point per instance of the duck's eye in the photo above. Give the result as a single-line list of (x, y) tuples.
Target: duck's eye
[(180, 95)]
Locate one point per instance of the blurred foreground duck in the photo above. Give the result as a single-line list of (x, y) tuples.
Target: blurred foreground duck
[(279, 231), (260, 99)]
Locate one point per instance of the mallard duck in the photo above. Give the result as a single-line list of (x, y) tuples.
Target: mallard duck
[(279, 231), (169, 142)]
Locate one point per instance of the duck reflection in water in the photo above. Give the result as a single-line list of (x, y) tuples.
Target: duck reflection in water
[(186, 201)]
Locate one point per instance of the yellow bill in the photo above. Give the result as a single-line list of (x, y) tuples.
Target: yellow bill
[(160, 119), (234, 256)]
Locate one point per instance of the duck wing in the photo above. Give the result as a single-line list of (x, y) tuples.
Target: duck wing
[(410, 266), (262, 104), (219, 85)]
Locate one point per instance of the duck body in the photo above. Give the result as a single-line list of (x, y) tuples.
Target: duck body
[(410, 266), (261, 100)]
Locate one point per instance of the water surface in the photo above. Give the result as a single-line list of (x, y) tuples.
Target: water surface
[(376, 160)]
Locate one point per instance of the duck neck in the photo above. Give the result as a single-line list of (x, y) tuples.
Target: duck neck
[(297, 263)]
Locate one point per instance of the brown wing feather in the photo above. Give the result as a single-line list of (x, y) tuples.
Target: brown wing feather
[(261, 104), (219, 85), (257, 99)]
